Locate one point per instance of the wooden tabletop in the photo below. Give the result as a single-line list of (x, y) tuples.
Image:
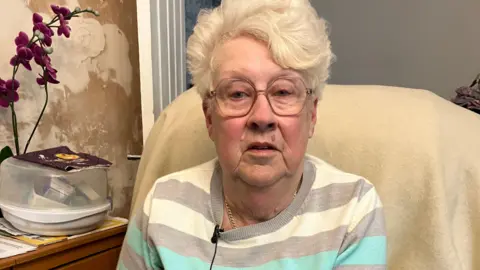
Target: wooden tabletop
[(62, 248)]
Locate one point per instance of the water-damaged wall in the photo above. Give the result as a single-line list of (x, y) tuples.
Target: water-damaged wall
[(96, 106)]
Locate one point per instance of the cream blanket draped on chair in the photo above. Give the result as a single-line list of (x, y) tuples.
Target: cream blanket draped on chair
[(420, 151)]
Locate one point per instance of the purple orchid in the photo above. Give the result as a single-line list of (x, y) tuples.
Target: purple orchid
[(24, 53), (37, 47), (50, 75), (8, 92), (63, 28), (61, 11), (39, 25), (43, 60), (38, 54), (22, 39), (37, 18), (46, 31)]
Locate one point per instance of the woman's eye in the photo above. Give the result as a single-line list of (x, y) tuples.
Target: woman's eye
[(238, 94), (282, 92)]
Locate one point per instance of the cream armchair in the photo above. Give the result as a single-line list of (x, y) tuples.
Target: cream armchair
[(420, 151)]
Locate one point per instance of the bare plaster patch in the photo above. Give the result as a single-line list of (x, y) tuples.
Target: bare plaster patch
[(92, 108)]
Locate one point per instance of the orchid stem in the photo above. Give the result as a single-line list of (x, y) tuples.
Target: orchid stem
[(14, 126), (45, 74), (14, 115), (12, 105), (30, 42), (54, 20)]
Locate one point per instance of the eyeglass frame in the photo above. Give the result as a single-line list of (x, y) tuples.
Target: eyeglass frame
[(309, 92)]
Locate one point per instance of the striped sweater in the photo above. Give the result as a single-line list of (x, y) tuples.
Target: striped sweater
[(334, 222)]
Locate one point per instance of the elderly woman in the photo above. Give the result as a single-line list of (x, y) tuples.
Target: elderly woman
[(260, 67)]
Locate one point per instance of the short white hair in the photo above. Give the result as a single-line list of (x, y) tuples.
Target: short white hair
[(296, 36)]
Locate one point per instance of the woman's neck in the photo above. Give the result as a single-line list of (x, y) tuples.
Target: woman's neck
[(246, 205)]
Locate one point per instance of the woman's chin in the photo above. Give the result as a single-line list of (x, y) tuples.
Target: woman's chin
[(259, 176)]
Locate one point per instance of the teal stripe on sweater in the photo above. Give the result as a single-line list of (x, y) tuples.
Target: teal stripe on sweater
[(137, 244), (369, 251), (324, 260), (120, 266), (135, 238)]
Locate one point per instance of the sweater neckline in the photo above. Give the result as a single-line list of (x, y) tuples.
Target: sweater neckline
[(217, 201)]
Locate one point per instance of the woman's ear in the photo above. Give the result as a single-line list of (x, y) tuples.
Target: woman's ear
[(313, 117), (207, 112)]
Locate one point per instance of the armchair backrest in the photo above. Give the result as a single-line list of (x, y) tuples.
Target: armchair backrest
[(421, 152)]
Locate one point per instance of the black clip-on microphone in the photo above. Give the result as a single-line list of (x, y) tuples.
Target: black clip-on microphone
[(214, 240)]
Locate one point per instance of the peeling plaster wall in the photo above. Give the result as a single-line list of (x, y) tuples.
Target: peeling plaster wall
[(96, 107)]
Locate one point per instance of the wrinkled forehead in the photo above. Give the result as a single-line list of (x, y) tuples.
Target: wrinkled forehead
[(247, 58)]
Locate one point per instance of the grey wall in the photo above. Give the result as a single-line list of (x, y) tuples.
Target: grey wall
[(428, 44), (192, 7)]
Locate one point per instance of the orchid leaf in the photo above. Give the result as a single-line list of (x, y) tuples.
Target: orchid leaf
[(5, 153)]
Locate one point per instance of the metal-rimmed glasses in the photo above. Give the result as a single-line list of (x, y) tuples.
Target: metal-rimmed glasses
[(286, 96)]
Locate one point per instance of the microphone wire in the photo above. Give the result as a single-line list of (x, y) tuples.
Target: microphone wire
[(215, 237), (214, 254)]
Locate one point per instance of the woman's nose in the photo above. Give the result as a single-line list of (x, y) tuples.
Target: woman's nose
[(261, 117)]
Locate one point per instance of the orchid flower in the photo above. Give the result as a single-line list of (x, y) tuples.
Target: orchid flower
[(38, 47)]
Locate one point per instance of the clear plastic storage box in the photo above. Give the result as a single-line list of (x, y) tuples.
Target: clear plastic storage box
[(42, 200)]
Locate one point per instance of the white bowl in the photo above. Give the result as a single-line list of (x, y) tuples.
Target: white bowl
[(55, 222)]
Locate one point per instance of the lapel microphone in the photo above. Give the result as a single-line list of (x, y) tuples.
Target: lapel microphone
[(216, 235)]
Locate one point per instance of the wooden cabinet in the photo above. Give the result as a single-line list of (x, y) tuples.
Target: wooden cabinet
[(104, 260), (99, 250)]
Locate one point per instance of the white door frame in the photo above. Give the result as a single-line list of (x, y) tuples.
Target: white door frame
[(161, 44)]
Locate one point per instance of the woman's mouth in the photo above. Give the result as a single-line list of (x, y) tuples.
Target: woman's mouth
[(261, 148)]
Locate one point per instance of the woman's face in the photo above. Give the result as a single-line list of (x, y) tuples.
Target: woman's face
[(261, 147)]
